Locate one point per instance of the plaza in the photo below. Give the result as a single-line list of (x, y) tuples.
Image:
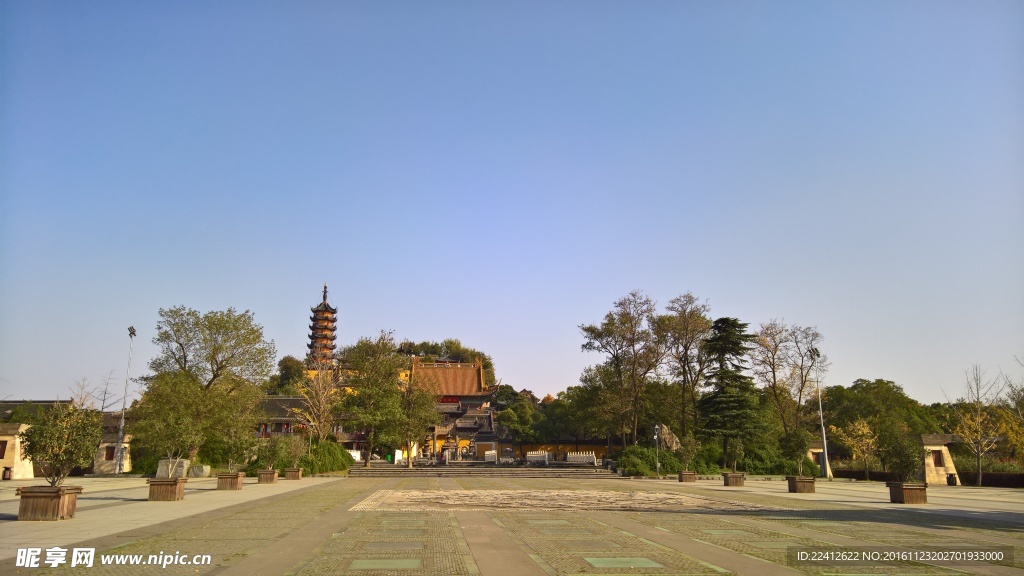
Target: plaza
[(516, 526)]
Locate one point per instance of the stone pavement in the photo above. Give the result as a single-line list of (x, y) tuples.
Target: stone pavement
[(511, 526)]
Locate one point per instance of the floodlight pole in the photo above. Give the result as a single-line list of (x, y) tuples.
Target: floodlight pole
[(657, 461), (124, 404), (826, 470)]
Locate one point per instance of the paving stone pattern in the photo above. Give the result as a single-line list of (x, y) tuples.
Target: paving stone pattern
[(420, 544)]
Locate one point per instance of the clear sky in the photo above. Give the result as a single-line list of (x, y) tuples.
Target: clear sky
[(503, 172)]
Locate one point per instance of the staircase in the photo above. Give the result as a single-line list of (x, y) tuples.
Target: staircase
[(479, 469)]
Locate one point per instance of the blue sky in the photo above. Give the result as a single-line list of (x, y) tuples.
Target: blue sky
[(502, 173)]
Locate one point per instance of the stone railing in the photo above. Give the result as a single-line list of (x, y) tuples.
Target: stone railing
[(539, 456), (581, 458)]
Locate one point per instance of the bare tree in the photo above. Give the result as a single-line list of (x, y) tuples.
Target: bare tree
[(685, 329), (322, 397), (975, 423), (807, 365), (770, 361)]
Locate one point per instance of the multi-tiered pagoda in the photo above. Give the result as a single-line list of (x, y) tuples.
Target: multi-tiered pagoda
[(321, 336)]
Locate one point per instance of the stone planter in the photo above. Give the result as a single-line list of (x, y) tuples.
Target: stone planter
[(686, 476), (801, 484), (230, 481), (167, 489), (48, 502), (266, 476), (733, 478), (907, 492), (293, 473)]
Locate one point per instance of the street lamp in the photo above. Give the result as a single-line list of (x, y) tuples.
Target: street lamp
[(826, 471), (657, 461), (124, 404)]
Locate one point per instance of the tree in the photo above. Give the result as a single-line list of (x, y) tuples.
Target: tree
[(975, 421), (606, 401), (731, 407), (794, 445), (634, 348), (171, 418), (322, 399), (374, 404), (685, 329), (418, 412), (212, 347), (901, 454), (62, 438), (225, 358), (290, 372), (786, 360), (860, 439), (769, 359), (519, 422)]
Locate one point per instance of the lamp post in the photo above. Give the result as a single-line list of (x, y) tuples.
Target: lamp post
[(826, 470), (124, 404), (657, 460)]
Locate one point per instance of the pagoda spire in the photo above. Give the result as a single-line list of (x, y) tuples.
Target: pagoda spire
[(322, 333)]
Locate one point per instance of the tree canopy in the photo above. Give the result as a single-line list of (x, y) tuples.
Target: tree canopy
[(212, 347)]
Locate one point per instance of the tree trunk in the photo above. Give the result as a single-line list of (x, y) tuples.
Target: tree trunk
[(369, 448), (977, 479), (408, 443)]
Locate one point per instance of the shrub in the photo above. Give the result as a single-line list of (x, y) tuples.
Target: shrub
[(646, 456), (326, 457)]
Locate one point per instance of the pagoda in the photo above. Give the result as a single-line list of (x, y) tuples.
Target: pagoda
[(321, 336)]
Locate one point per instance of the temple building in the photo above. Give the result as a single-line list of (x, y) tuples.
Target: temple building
[(466, 429), (322, 334)]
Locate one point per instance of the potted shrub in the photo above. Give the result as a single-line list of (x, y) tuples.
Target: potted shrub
[(687, 451), (294, 448), (240, 445), (904, 458), (60, 439), (734, 452), (794, 445), (267, 455)]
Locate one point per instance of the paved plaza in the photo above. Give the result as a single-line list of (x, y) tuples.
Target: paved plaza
[(518, 526)]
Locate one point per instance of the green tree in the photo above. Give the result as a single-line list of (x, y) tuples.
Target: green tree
[(731, 408), (290, 373), (61, 438), (418, 413), (634, 348), (212, 347), (519, 423), (879, 402), (794, 445), (374, 404), (172, 416)]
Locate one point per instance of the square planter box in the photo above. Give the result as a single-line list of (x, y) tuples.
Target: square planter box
[(266, 477), (687, 476), (801, 484), (293, 473), (230, 481), (907, 492), (48, 502), (733, 478), (166, 489)]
